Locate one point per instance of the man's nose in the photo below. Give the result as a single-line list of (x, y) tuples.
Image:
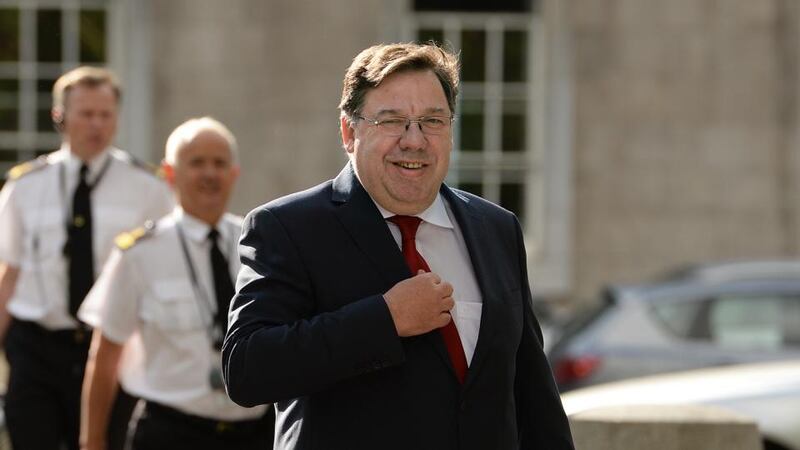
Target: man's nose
[(413, 137)]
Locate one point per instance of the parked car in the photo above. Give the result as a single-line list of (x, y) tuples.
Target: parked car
[(709, 315), (766, 392)]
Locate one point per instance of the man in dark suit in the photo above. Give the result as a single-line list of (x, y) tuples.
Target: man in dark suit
[(383, 309)]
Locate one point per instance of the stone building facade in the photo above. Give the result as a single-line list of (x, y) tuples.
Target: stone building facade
[(655, 133)]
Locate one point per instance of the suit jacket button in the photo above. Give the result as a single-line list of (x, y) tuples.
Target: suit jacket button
[(463, 406)]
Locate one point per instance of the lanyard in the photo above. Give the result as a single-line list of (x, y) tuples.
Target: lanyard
[(203, 299)]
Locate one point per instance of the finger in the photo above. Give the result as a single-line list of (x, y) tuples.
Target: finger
[(448, 303), (435, 278), (447, 289), (444, 319)]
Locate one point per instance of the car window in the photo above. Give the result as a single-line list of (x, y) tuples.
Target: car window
[(686, 319), (746, 322)]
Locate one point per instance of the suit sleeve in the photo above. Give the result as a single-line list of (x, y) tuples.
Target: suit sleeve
[(540, 416), (278, 345)]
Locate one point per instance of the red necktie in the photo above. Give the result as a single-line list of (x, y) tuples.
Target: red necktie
[(408, 231)]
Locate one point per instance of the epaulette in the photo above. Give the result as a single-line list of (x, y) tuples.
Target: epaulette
[(152, 169), (127, 239), (20, 170)]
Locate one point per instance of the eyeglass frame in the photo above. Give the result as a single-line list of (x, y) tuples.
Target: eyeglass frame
[(377, 123)]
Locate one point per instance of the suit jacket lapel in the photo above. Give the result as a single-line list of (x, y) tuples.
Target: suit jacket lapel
[(473, 228), (364, 223)]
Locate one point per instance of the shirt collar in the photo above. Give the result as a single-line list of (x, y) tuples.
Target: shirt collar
[(95, 165), (196, 229), (436, 214)]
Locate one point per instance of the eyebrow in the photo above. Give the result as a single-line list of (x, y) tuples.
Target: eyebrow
[(395, 112)]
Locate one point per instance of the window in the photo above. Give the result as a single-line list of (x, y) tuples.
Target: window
[(512, 135), (39, 40), (496, 147)]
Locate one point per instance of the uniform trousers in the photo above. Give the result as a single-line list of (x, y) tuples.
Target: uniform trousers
[(160, 427), (42, 403)]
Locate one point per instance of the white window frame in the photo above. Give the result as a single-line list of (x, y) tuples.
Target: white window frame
[(546, 162), (127, 54)]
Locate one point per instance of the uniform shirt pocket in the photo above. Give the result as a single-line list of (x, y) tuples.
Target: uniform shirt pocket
[(174, 306), (45, 244)]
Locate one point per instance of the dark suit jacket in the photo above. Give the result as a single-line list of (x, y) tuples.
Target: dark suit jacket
[(310, 331)]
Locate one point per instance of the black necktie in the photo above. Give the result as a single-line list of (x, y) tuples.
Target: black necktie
[(79, 244), (223, 286)]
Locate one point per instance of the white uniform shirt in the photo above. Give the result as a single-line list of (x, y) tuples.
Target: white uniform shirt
[(441, 244), (35, 208), (145, 300)]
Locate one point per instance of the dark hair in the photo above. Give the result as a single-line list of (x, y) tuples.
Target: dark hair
[(374, 64)]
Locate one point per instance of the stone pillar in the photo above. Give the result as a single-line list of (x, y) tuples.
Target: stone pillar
[(663, 427)]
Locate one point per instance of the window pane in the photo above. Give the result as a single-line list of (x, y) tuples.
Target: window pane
[(48, 35), (514, 129), (473, 55), (9, 92), (9, 34), (470, 123), (512, 198), (44, 121), (426, 35), (45, 85), (8, 119), (8, 155), (515, 49), (93, 36), (473, 188)]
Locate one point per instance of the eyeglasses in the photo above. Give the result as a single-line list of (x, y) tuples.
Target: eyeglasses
[(396, 126)]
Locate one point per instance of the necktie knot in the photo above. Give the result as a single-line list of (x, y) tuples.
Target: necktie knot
[(408, 225), (213, 234), (84, 174)]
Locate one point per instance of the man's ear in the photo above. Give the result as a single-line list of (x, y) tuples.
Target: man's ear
[(57, 115), (348, 133), (169, 173)]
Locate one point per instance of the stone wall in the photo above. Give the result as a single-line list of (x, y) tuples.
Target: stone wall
[(685, 123), (272, 72)]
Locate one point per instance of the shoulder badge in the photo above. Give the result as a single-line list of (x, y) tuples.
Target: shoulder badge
[(127, 239), (25, 168)]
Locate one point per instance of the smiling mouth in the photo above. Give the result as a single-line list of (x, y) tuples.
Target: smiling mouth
[(409, 165)]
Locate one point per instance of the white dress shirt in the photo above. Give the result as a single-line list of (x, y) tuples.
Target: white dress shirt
[(35, 208), (441, 244), (145, 300)]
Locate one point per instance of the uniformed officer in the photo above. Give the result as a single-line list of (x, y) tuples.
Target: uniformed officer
[(160, 310), (59, 215)]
